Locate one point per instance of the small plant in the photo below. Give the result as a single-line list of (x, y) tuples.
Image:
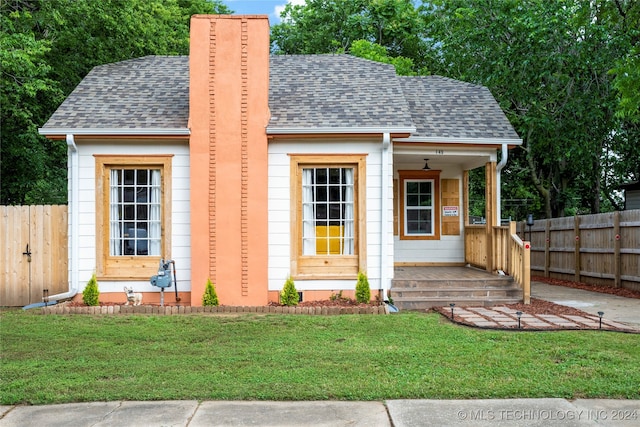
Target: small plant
[(337, 297), (210, 297), (363, 291), (91, 293), (289, 294)]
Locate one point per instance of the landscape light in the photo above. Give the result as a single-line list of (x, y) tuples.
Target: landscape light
[(600, 314)]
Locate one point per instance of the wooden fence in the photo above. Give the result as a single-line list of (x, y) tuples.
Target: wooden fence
[(33, 253), (602, 249)]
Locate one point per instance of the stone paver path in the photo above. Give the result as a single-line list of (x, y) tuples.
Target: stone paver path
[(506, 318)]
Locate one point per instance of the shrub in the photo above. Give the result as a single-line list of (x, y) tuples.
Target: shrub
[(210, 297), (91, 293), (289, 294), (363, 291)]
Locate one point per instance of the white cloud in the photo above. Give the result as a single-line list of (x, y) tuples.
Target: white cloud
[(279, 8)]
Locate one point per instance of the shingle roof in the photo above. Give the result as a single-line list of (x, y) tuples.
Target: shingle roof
[(334, 91), (142, 93), (306, 92), (447, 108)]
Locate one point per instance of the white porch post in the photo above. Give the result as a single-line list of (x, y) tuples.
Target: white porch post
[(384, 185)]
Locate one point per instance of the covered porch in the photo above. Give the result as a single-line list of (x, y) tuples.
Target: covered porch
[(461, 261)]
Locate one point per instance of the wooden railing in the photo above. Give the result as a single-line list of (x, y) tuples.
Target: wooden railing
[(520, 263), (509, 253), (475, 245), (501, 248)]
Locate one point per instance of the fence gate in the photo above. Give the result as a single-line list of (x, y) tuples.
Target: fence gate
[(33, 253)]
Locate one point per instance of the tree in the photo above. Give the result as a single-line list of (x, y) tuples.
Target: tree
[(26, 89), (46, 48), (363, 290), (289, 295), (375, 52), (330, 26), (548, 65), (91, 293), (210, 296), (626, 13)]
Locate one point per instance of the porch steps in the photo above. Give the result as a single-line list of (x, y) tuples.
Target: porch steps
[(421, 294)]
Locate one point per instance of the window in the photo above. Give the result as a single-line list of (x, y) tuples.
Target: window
[(420, 204), (132, 215), (328, 216), (134, 212), (327, 211)]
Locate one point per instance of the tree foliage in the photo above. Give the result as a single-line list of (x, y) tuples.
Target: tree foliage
[(46, 48), (289, 295), (548, 63), (363, 290), (91, 293), (210, 296), (375, 52), (331, 26)]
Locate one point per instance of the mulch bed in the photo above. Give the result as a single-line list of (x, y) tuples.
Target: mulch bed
[(338, 302)]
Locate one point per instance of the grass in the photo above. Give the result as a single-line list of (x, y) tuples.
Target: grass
[(75, 358)]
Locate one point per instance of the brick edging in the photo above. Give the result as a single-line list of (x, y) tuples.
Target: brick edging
[(171, 310)]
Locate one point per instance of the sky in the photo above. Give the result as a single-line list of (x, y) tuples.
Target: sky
[(260, 7)]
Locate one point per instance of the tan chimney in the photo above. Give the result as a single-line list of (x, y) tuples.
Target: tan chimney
[(228, 115)]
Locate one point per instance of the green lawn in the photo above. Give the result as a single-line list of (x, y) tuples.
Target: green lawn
[(55, 359)]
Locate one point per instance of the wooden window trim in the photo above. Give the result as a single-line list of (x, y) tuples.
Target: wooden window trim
[(412, 175), (129, 267), (319, 267)]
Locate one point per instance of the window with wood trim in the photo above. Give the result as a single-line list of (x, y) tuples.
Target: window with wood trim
[(328, 216), (419, 205), (132, 215)]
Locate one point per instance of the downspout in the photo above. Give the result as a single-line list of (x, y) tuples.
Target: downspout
[(72, 155), (386, 143), (499, 167)]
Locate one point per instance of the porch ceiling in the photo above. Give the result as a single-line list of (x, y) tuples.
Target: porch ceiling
[(445, 160)]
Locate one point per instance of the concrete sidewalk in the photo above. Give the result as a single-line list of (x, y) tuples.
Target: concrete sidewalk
[(397, 413)]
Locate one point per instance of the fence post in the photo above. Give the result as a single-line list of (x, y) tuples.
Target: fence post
[(616, 250), (547, 251), (576, 262), (526, 273)]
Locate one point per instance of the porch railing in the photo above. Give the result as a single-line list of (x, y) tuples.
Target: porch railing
[(520, 262), (508, 253), (475, 245)]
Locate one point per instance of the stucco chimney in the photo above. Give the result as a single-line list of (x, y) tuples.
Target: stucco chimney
[(228, 115)]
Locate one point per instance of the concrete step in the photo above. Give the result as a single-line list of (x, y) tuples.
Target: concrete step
[(421, 294), (453, 293), (473, 283), (425, 303)]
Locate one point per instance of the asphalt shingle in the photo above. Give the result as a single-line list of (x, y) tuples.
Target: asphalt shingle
[(335, 91), (141, 93), (447, 108), (306, 92)]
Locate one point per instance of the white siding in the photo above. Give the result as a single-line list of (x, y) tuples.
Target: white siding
[(449, 249), (280, 204), (180, 212)]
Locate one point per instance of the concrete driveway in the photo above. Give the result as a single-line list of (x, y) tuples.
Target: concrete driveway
[(620, 309)]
